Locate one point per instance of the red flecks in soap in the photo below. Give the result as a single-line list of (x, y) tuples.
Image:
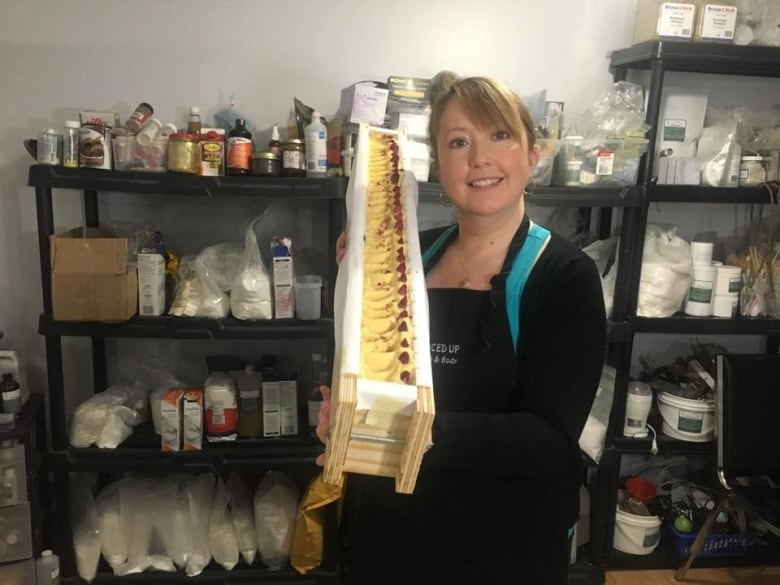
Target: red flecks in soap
[(404, 358), (402, 290), (404, 342), (403, 326), (405, 377)]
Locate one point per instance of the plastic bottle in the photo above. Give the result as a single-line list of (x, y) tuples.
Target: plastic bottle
[(47, 569), (639, 399), (316, 147), (70, 144), (11, 394), (275, 145), (239, 149), (193, 122)]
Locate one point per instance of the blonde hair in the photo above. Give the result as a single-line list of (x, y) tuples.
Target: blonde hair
[(487, 101)]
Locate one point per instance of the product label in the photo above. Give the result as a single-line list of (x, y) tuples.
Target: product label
[(314, 412), (605, 162), (293, 159), (239, 153), (212, 155), (316, 152), (701, 291), (635, 423), (271, 414), (718, 22), (690, 422), (675, 19), (735, 284), (652, 537), (674, 130), (249, 399)]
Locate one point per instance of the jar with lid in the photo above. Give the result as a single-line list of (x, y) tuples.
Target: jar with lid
[(293, 158), (752, 171), (49, 149), (139, 117), (266, 164), (183, 153), (70, 144)]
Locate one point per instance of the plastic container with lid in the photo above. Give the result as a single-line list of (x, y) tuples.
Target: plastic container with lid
[(47, 569), (49, 149), (293, 158), (184, 153), (266, 164), (70, 144)]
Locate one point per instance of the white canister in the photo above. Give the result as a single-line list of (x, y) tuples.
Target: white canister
[(699, 300), (638, 402), (701, 252), (725, 306), (728, 281)]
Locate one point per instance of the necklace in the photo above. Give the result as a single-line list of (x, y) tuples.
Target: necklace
[(466, 282)]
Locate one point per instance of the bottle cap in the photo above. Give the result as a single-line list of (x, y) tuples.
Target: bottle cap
[(72, 124), (315, 115), (194, 110), (275, 133), (46, 553)]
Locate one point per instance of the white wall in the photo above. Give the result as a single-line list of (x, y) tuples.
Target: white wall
[(58, 57)]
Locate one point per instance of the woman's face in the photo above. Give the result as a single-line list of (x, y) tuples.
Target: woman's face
[(483, 170)]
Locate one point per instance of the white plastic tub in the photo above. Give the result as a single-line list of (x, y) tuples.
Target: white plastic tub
[(636, 535), (687, 420)]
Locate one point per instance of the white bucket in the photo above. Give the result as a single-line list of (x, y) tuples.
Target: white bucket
[(728, 281), (725, 306), (636, 535), (699, 300), (687, 420)]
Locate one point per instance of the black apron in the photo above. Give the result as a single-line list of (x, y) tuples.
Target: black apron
[(456, 527)]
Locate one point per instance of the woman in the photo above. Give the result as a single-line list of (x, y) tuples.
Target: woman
[(498, 490)]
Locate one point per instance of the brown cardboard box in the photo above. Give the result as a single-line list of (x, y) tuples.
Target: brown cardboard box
[(90, 280)]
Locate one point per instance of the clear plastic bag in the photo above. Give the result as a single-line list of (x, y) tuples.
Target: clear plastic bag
[(243, 518), (104, 419), (177, 538), (667, 271), (595, 431), (200, 493), (276, 507), (86, 531), (250, 295), (112, 536), (223, 543), (205, 282), (617, 113)]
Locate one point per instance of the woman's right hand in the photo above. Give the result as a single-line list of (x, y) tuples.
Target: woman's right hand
[(323, 422)]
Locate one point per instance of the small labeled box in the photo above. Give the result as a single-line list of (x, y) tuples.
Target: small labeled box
[(656, 20), (288, 407), (364, 102), (271, 408), (282, 258), (151, 284)]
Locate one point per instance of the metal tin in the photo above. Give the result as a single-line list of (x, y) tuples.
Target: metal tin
[(266, 164), (293, 158), (183, 153)]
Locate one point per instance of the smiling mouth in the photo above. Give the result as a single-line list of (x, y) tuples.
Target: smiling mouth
[(485, 182)]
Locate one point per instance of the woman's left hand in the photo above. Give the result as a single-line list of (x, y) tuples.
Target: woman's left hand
[(323, 422)]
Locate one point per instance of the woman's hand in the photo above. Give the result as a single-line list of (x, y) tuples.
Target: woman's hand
[(323, 423), (341, 247)]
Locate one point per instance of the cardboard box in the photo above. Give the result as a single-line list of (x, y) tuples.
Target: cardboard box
[(284, 276), (171, 423), (90, 280), (192, 415), (151, 285), (365, 102), (409, 90)]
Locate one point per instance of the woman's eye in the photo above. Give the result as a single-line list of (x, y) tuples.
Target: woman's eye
[(501, 135), (458, 143)]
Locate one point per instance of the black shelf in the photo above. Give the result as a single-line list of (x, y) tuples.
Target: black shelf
[(559, 196), (141, 452), (697, 194), (618, 332), (722, 59), (666, 445), (680, 323), (169, 327), (48, 176)]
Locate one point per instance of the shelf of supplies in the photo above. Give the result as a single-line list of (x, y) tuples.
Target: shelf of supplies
[(48, 176), (214, 573), (168, 327), (680, 323), (558, 196), (697, 194), (141, 451), (722, 59), (666, 445)]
